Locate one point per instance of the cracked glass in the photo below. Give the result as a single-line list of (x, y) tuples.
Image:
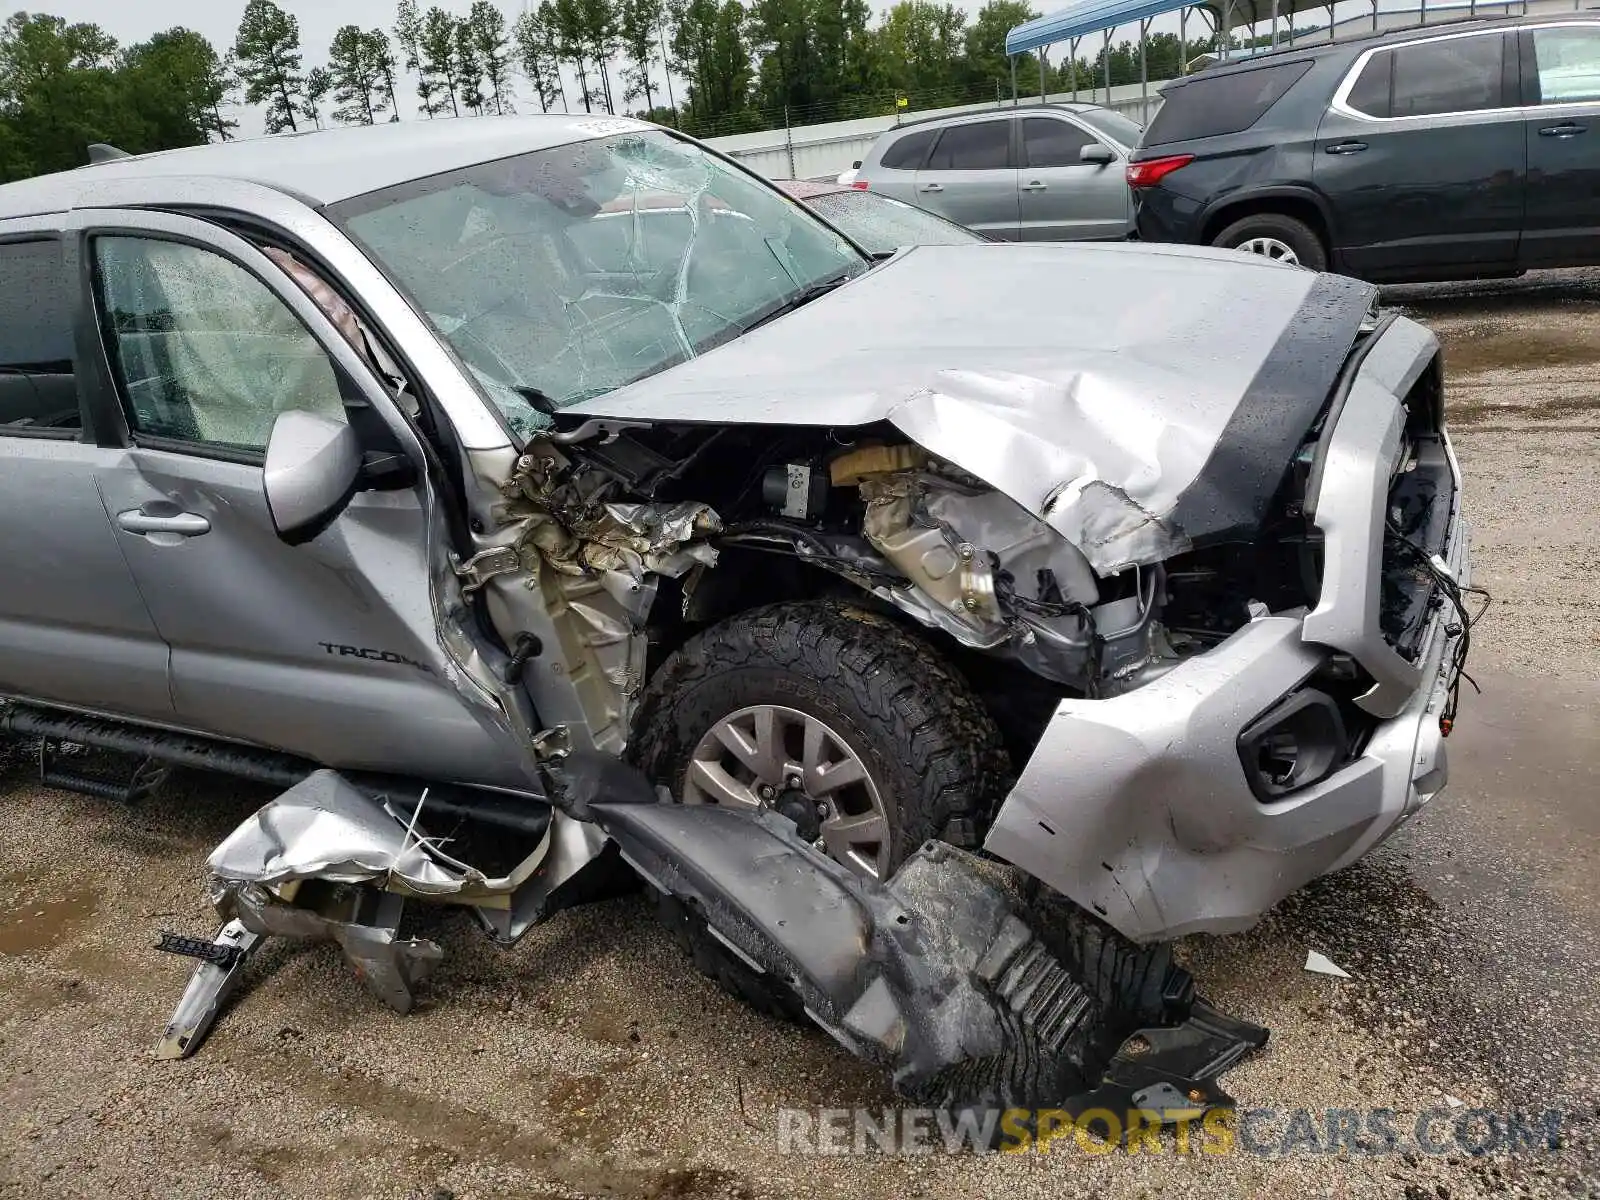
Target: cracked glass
[(205, 351), (562, 274)]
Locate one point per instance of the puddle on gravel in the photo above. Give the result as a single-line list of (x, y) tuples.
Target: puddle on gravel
[(1473, 352), (38, 925), (1473, 411)]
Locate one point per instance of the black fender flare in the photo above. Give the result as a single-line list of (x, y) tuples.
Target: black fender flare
[(1297, 192)]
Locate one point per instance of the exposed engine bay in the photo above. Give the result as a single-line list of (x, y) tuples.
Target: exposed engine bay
[(688, 523)]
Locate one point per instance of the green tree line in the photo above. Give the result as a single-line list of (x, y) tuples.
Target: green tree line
[(707, 66)]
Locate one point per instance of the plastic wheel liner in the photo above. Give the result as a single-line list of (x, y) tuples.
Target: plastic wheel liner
[(971, 987)]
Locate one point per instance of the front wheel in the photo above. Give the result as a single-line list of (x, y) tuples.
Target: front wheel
[(834, 716), (1275, 236)]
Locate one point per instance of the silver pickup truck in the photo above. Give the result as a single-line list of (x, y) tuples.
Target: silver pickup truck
[(815, 587)]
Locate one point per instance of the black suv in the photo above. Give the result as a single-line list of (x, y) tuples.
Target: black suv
[(1445, 152)]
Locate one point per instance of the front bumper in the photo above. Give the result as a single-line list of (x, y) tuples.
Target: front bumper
[(1138, 807)]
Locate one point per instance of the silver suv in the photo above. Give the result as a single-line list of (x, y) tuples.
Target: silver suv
[(412, 469), (1046, 173)]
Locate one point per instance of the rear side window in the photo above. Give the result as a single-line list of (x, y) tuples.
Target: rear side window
[(1373, 87), (1568, 63), (907, 153), (981, 146), (1218, 104), (1457, 75), (37, 388), (1050, 143)]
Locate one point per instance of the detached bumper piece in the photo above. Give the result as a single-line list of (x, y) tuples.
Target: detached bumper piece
[(934, 976)]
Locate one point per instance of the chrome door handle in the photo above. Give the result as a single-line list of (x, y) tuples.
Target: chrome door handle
[(181, 524), (1035, 185), (1347, 148), (1564, 130), (931, 187)]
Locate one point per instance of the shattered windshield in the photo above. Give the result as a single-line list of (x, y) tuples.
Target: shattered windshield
[(562, 274)]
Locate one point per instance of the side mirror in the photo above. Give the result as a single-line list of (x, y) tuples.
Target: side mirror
[(313, 466), (1096, 153)]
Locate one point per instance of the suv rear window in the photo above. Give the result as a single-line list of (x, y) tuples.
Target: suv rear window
[(907, 153), (1211, 105), (1371, 90), (981, 146)]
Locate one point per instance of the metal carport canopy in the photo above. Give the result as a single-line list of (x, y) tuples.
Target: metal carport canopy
[(1093, 16)]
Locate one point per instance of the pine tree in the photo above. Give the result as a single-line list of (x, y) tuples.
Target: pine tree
[(486, 28), (222, 88), (436, 50), (268, 54), (639, 22), (599, 32), (408, 35), (537, 56), (353, 78), (380, 60), (469, 71), (566, 21), (318, 84)]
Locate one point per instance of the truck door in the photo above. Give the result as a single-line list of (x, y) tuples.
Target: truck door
[(330, 648)]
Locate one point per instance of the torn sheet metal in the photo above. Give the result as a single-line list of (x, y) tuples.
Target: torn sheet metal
[(1157, 401), (575, 530), (576, 573), (368, 933), (327, 828)]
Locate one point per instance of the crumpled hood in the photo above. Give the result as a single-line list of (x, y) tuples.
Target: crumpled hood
[(1135, 398)]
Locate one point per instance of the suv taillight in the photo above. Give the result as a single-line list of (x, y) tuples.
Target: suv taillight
[(1153, 170), (859, 184)]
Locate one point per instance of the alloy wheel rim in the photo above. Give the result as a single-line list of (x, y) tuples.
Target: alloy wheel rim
[(1270, 247), (749, 757)]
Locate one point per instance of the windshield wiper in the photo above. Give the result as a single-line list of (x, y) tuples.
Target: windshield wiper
[(800, 299)]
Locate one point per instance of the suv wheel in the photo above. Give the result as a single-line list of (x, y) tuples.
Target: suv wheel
[(834, 716), (1275, 236)]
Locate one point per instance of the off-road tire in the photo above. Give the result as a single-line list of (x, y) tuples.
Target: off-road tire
[(1295, 234), (932, 748), (936, 753)]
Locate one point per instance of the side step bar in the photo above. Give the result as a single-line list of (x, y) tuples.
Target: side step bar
[(175, 749)]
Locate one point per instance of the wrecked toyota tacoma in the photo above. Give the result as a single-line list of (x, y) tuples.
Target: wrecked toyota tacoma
[(938, 637)]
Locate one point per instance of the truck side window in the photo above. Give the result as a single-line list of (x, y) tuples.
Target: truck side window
[(38, 391), (205, 351)]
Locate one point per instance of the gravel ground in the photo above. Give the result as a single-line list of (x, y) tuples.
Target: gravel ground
[(591, 1061)]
